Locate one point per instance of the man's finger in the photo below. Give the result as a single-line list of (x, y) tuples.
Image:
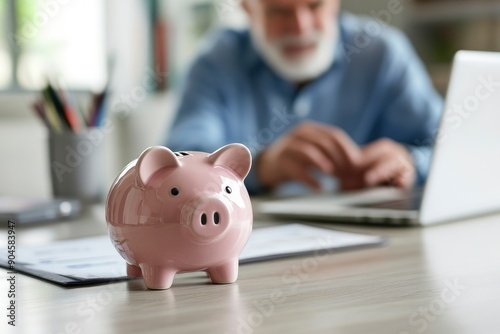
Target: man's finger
[(346, 152), (310, 155), (406, 177), (334, 142), (372, 152), (303, 174), (384, 170), (316, 134)]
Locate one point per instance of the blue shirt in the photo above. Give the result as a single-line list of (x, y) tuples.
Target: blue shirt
[(376, 87)]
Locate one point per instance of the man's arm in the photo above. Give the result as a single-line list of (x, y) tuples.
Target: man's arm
[(202, 122), (411, 110), (198, 123)]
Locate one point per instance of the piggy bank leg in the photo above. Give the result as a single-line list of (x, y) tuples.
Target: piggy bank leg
[(133, 271), (157, 277), (224, 273)]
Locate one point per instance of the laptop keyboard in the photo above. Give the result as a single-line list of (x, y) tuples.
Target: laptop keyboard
[(410, 203)]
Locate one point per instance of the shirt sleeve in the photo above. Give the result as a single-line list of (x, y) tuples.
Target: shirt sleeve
[(410, 106), (198, 124), (201, 122)]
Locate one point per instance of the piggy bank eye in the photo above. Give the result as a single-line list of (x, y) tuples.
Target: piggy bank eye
[(174, 191), (228, 189)]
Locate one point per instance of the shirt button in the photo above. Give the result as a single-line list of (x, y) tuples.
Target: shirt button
[(302, 108)]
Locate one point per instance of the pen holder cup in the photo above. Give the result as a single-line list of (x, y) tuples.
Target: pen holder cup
[(77, 164)]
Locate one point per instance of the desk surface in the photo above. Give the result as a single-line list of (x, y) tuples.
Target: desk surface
[(441, 279)]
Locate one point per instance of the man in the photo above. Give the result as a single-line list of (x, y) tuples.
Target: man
[(312, 91)]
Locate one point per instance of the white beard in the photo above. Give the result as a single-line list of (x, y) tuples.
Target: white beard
[(299, 69)]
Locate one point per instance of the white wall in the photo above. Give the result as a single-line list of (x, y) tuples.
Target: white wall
[(24, 165)]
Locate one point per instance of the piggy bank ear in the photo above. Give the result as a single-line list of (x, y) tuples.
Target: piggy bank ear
[(152, 160), (236, 157)]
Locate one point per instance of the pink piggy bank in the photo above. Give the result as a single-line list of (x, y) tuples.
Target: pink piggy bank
[(178, 212)]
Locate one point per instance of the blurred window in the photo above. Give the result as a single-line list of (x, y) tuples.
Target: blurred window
[(5, 56), (63, 40)]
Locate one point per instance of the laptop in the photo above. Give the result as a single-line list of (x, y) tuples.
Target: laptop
[(464, 175)]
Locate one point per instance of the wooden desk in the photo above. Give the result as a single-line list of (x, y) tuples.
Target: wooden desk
[(441, 279)]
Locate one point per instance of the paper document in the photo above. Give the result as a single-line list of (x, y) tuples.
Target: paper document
[(94, 259)]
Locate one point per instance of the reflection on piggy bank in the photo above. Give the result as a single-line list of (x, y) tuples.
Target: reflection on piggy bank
[(178, 212)]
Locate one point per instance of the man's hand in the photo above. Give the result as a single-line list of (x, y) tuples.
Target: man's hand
[(386, 162), (309, 146), (316, 146)]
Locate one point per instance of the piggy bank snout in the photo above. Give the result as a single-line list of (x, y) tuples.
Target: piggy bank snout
[(207, 217)]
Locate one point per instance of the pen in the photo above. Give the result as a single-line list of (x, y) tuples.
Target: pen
[(58, 106), (71, 113), (51, 114), (39, 110)]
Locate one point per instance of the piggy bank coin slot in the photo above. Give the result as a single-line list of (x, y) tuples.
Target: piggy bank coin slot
[(181, 154)]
